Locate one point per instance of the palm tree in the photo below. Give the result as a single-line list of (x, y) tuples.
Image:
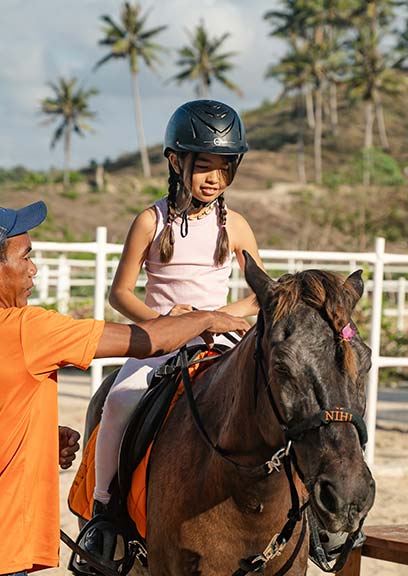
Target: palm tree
[(402, 50), (130, 40), (293, 72), (289, 23), (373, 71), (203, 61), (304, 23), (70, 106)]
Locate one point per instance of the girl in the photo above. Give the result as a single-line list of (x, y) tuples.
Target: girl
[(185, 242)]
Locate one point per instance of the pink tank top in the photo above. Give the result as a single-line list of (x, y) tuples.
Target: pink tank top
[(191, 277)]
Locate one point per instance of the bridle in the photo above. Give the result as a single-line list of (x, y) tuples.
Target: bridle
[(284, 456)]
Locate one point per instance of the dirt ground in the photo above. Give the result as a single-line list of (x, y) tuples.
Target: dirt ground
[(390, 471)]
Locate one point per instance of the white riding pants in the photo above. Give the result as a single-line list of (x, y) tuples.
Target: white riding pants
[(119, 406)]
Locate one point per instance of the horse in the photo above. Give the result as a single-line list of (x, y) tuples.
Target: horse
[(266, 432)]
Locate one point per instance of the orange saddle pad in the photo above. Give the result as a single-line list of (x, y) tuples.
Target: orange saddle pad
[(80, 498)]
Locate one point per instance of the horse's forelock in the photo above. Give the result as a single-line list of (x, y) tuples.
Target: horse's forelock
[(323, 291)]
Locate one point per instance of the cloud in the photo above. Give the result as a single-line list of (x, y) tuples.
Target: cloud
[(43, 40)]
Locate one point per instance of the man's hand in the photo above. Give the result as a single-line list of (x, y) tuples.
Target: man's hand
[(221, 323), (68, 445)]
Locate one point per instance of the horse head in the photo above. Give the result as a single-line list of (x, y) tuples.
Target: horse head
[(315, 364)]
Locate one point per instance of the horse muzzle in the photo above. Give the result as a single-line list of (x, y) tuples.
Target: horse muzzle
[(341, 503)]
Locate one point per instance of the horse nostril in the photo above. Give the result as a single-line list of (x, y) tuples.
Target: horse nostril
[(328, 497)]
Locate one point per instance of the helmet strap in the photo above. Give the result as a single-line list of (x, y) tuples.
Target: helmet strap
[(196, 203)]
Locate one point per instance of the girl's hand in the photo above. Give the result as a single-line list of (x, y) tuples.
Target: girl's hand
[(180, 309)]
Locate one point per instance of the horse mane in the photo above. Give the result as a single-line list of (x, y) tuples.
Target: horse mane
[(328, 293)]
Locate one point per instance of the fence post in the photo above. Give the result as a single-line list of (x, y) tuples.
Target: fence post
[(375, 341), (401, 303), (44, 282), (63, 284), (234, 293), (99, 297)]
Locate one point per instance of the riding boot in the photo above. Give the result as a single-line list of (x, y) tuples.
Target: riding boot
[(93, 538)]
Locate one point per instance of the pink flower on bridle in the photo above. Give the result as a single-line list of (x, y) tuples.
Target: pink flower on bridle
[(347, 333)]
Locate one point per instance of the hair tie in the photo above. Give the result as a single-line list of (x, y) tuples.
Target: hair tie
[(169, 224), (347, 333)]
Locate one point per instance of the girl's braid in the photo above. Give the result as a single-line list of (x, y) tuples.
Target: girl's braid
[(167, 236), (222, 249)]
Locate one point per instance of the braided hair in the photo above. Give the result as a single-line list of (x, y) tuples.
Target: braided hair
[(178, 201)]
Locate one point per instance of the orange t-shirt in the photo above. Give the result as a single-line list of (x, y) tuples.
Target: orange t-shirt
[(34, 343)]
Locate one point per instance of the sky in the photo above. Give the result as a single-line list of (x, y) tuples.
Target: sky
[(44, 39)]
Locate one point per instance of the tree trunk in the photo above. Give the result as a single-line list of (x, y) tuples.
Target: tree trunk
[(318, 135), (334, 119), (202, 89), (379, 112), (310, 109), (67, 154), (301, 169), (139, 127), (368, 142)]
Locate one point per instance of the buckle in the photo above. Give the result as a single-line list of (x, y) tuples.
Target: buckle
[(274, 548), (165, 370), (139, 551)]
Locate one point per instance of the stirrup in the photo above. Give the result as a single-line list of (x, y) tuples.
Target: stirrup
[(101, 529)]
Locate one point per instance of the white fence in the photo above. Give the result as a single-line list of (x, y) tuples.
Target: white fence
[(56, 283)]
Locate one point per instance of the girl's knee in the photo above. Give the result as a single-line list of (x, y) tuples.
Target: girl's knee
[(121, 401)]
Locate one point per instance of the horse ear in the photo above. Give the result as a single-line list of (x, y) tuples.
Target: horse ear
[(355, 281), (257, 279)]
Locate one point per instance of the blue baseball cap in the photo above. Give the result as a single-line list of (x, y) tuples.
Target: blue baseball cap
[(15, 222)]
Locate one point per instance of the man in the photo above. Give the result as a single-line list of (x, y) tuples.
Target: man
[(34, 344)]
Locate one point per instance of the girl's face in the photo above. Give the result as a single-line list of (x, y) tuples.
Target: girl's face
[(209, 176)]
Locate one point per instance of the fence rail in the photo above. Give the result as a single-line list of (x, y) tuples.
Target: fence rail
[(60, 275)]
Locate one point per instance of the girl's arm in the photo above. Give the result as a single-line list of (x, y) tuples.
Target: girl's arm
[(137, 244), (242, 238)]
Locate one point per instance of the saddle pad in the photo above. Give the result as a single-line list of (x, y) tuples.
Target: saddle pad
[(80, 498)]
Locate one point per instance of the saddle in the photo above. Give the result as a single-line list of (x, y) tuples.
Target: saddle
[(129, 487)]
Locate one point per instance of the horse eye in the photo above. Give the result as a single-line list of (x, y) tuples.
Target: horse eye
[(281, 368)]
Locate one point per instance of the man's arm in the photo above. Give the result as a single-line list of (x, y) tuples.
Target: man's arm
[(165, 334)]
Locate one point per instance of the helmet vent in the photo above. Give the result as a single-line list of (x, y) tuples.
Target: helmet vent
[(193, 128)]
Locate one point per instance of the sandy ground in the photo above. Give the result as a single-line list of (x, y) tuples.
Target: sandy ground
[(390, 471)]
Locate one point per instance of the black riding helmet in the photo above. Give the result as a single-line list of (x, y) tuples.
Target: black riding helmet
[(205, 126)]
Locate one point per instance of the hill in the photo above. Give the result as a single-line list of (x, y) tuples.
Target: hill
[(340, 215)]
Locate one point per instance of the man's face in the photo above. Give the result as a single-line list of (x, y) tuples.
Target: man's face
[(16, 273)]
